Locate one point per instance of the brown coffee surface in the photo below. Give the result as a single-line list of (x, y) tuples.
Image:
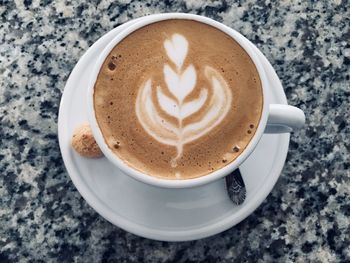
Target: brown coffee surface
[(209, 127)]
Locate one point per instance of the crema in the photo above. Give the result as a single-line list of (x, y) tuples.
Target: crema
[(178, 99)]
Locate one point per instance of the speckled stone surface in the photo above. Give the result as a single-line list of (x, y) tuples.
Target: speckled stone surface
[(43, 218)]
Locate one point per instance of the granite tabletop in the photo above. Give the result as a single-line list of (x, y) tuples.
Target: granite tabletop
[(43, 218)]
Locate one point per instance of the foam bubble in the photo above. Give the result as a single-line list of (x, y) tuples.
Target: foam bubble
[(236, 149), (114, 143), (112, 66), (226, 157)]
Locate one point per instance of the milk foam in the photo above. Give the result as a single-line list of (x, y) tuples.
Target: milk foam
[(136, 70), (181, 82), (176, 49)]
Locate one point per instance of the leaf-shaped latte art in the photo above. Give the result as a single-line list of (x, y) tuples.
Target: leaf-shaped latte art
[(176, 49), (219, 106), (187, 82), (156, 126), (181, 83), (172, 79), (167, 104), (193, 106)]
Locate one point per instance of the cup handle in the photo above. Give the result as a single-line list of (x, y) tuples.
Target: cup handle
[(284, 118)]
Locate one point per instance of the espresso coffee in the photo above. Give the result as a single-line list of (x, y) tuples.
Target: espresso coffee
[(178, 99)]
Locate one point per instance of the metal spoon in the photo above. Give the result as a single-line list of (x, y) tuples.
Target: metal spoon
[(235, 187)]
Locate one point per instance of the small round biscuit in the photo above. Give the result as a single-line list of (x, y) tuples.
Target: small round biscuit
[(83, 142)]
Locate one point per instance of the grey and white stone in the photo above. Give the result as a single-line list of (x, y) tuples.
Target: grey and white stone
[(43, 218)]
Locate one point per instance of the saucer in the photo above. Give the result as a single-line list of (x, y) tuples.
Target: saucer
[(160, 213)]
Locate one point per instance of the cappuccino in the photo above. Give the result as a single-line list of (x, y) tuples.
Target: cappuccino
[(178, 99)]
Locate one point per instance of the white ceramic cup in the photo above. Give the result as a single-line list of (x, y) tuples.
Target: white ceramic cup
[(275, 118)]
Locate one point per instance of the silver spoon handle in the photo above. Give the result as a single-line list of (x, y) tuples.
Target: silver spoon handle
[(235, 187)]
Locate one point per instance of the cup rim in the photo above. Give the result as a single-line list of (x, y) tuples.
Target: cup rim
[(176, 183)]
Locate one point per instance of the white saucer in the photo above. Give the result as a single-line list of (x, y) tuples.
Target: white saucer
[(163, 214)]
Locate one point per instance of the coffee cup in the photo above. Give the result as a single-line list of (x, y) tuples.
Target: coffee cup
[(273, 118)]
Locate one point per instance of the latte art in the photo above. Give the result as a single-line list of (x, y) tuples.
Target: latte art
[(177, 99), (181, 82)]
